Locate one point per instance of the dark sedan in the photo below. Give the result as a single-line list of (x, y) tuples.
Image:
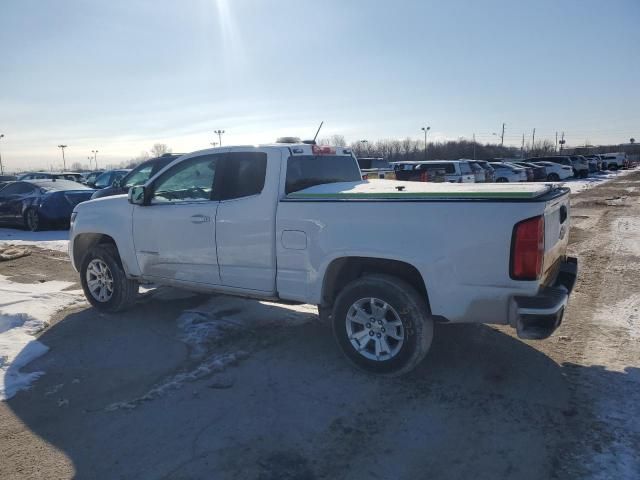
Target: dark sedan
[(35, 204), (137, 176), (539, 172)]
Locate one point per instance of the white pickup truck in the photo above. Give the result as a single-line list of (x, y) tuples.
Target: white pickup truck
[(382, 259)]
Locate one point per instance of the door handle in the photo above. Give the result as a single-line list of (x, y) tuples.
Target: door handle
[(200, 219)]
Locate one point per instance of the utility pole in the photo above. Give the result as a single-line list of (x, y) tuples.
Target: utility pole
[(556, 150), (425, 130), (95, 157), (522, 147), (562, 142), (64, 163), (474, 146), (533, 140), (502, 136), (219, 133), (1, 167)]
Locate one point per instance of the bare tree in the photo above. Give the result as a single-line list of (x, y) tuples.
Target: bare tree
[(159, 149), (334, 140)]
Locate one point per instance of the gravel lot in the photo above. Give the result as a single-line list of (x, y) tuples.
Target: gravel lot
[(236, 389)]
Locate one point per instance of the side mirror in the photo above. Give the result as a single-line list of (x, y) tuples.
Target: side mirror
[(137, 195)]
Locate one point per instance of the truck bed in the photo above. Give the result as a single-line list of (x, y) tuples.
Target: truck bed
[(406, 191)]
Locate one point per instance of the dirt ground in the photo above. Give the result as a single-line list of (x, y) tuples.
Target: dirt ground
[(126, 396)]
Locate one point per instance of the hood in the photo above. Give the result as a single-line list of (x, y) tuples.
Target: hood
[(381, 189)]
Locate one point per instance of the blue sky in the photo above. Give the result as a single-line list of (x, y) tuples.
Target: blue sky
[(118, 76)]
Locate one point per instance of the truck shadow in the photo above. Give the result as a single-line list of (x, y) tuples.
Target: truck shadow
[(483, 404)]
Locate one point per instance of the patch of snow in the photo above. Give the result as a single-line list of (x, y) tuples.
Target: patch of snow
[(25, 309), (52, 240), (580, 185)]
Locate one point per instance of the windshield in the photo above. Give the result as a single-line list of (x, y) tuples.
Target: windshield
[(305, 171), (103, 180)]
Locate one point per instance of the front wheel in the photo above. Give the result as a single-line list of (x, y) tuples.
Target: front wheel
[(104, 281), (553, 177), (382, 325), (501, 180), (613, 167)]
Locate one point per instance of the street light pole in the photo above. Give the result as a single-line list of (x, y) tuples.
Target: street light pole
[(425, 130), (1, 167), (219, 133), (95, 158), (64, 163)]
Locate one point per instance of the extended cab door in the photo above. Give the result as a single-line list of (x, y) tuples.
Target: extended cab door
[(174, 234), (246, 220)]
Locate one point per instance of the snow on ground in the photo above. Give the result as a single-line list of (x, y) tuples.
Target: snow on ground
[(25, 309), (580, 185), (53, 240)]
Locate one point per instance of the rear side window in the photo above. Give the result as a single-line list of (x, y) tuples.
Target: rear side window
[(305, 171), (244, 174), (465, 169)]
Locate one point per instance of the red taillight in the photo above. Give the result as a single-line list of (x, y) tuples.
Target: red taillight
[(424, 177), (323, 150), (527, 249)]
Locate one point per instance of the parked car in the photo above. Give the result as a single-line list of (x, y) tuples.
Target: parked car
[(489, 172), (559, 159), (419, 172), (295, 223), (580, 166), (614, 161), (137, 176), (538, 172), (456, 171), (507, 172), (6, 179), (36, 204), (555, 171), (594, 163), (106, 179), (478, 172)]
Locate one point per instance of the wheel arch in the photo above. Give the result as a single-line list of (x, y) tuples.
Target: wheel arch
[(84, 242), (344, 270)]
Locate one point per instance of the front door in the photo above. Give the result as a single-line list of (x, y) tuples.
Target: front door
[(175, 233)]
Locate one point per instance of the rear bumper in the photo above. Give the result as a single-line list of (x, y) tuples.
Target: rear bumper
[(537, 317)]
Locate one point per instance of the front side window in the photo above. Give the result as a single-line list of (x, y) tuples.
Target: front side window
[(189, 181), (465, 169), (244, 174)]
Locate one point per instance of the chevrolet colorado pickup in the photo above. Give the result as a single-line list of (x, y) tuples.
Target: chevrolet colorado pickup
[(382, 259)]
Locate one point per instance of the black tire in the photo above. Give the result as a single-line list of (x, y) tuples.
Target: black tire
[(613, 167), (124, 290), (553, 177), (32, 220), (501, 180), (406, 304), (584, 174)]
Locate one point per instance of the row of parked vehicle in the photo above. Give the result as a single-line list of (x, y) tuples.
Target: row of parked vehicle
[(38, 200), (549, 168)]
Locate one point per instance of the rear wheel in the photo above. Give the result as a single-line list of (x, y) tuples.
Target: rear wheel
[(382, 325), (584, 174), (32, 220), (104, 281), (501, 180), (553, 177), (613, 166)]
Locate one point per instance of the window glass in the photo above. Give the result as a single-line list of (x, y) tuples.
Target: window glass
[(188, 181), (103, 180), (139, 176), (17, 189), (244, 174), (465, 169), (305, 171)]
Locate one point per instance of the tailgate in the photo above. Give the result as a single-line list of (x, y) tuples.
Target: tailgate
[(556, 235)]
